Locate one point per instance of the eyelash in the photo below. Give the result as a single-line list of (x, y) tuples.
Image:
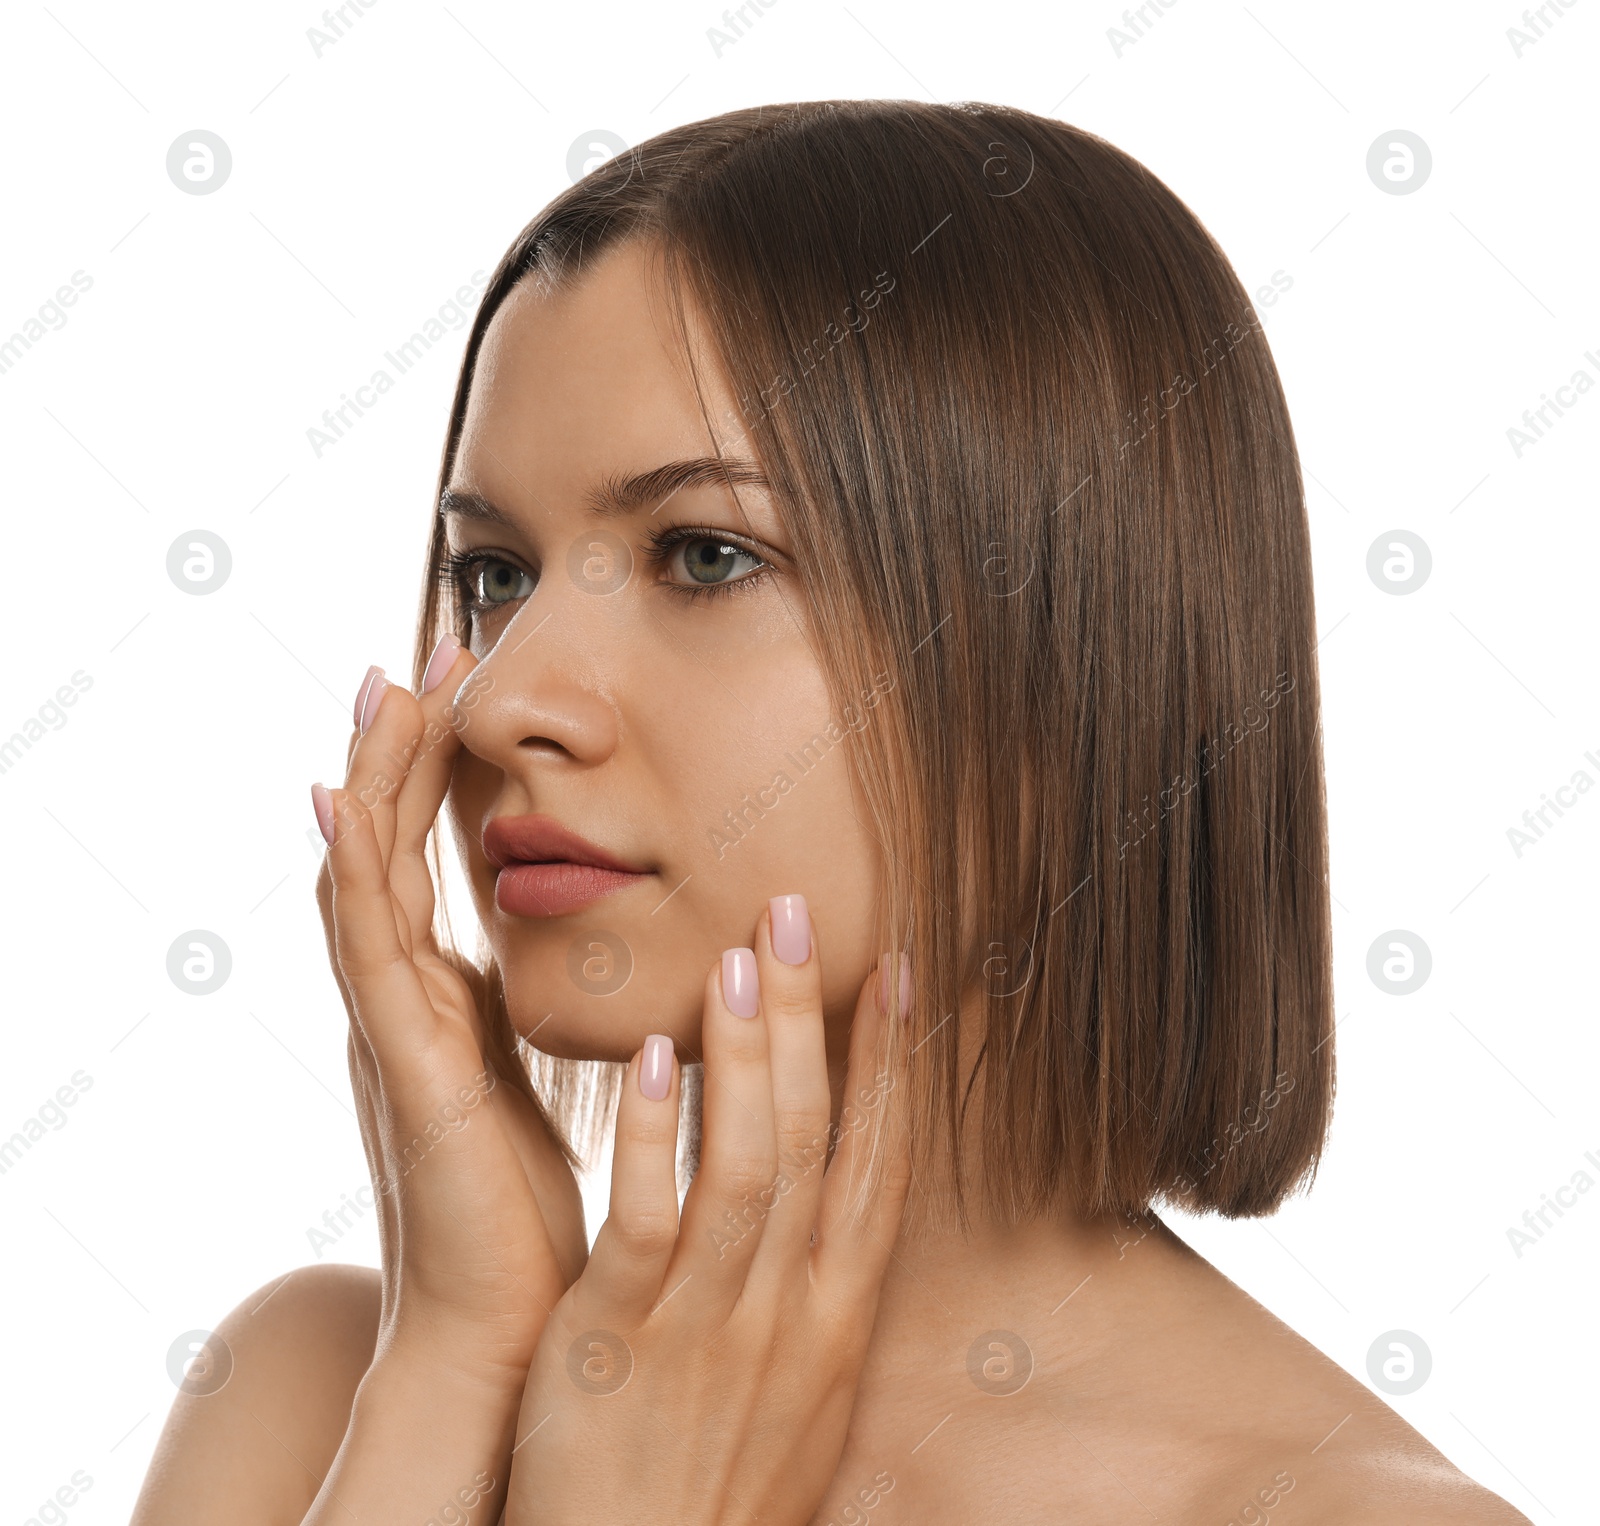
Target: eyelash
[(456, 568), (663, 543)]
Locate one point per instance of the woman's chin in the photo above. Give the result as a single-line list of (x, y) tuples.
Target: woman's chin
[(586, 1043), (569, 1035), (592, 997)]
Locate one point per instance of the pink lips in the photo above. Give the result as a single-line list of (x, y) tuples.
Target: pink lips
[(547, 870)]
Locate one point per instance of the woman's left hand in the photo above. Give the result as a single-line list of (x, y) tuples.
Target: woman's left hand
[(706, 1372)]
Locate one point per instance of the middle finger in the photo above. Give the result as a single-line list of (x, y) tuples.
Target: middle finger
[(734, 1191)]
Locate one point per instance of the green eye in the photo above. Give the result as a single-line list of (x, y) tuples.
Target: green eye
[(496, 582), (711, 562)]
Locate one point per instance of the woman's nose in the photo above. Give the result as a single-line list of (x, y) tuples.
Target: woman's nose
[(538, 689)]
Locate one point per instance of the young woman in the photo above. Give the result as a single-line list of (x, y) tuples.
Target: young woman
[(863, 527)]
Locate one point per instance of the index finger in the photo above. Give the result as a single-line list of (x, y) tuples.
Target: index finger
[(446, 697), (422, 791)]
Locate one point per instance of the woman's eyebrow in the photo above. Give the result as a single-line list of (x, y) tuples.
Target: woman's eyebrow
[(468, 505), (617, 495)]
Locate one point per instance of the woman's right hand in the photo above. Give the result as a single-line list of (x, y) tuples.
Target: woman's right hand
[(479, 1213)]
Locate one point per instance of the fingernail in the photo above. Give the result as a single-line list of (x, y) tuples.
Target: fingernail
[(791, 928), (739, 988), (369, 706), (322, 804), (361, 693), (655, 1067), (440, 663), (904, 964)]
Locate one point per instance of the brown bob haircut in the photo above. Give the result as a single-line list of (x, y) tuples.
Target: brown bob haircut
[(1036, 464)]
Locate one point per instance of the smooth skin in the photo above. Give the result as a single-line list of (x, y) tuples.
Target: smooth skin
[(1155, 1388)]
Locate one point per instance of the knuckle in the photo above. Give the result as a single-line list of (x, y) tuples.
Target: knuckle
[(740, 1043), (380, 785), (790, 999), (644, 1234), (351, 815), (803, 1144), (363, 959), (402, 729), (842, 1321), (650, 1130), (746, 1179)]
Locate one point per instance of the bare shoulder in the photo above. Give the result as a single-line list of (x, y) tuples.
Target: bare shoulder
[(262, 1413), (1330, 1452), (1238, 1419), (1386, 1487)]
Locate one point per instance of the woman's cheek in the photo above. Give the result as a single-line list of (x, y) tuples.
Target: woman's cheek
[(472, 786)]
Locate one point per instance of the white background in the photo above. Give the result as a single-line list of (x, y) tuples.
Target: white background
[(368, 184)]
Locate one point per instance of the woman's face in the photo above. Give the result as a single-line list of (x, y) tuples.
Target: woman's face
[(657, 694)]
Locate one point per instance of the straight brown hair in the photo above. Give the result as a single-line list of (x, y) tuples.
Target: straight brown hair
[(1035, 460)]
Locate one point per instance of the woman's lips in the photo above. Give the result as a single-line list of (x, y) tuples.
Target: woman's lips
[(552, 890), (547, 869)]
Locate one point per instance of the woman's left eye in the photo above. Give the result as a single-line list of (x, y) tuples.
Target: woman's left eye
[(703, 563)]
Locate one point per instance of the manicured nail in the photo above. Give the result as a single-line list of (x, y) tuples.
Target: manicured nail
[(885, 963), (322, 804), (791, 928), (655, 1067), (361, 693), (369, 706), (440, 663), (739, 989)]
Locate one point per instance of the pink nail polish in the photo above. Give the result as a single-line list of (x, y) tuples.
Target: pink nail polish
[(655, 1067), (369, 706), (886, 962), (361, 693), (322, 804), (739, 986), (440, 663), (791, 928)]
